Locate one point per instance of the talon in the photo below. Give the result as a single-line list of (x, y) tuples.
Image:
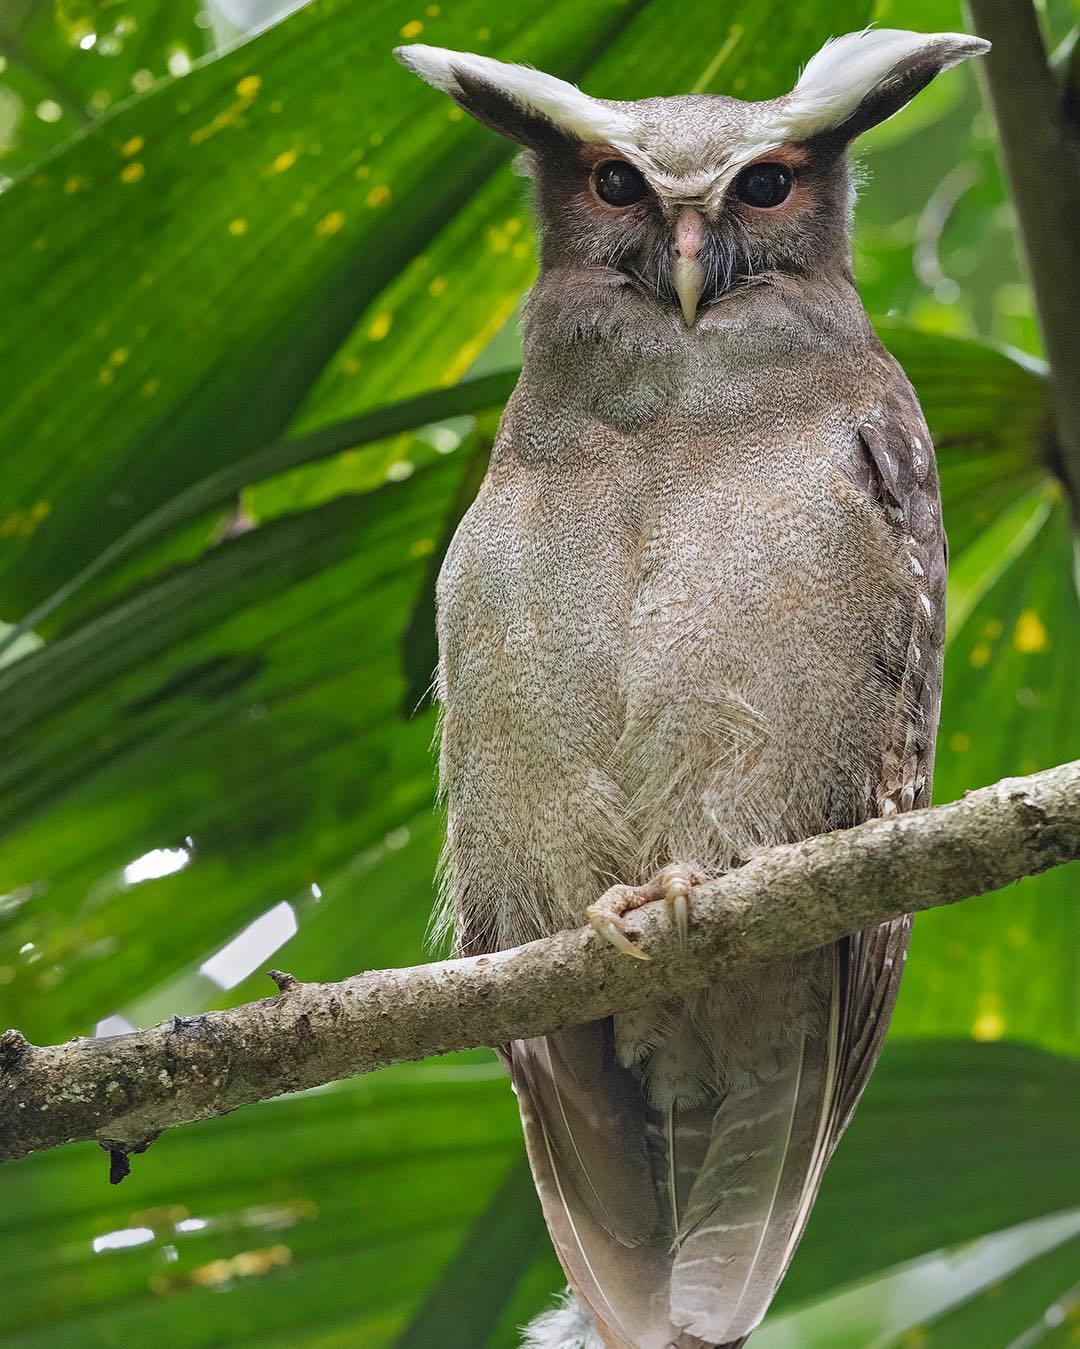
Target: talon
[(611, 929), (681, 908), (676, 882)]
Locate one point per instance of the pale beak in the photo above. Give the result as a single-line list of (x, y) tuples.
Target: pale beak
[(688, 275)]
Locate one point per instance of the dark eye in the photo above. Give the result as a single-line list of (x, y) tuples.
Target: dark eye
[(619, 183), (764, 185)]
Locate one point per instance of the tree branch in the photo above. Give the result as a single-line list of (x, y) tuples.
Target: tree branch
[(124, 1090), (1042, 159)]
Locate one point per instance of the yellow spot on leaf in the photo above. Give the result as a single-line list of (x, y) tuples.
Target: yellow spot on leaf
[(433, 11), (980, 655), (959, 742), (412, 29), (992, 629), (497, 240), (244, 1265), (76, 183), (238, 226), (40, 244), (483, 34), (421, 547), (131, 173), (1030, 635), (513, 225), (150, 387), (380, 326), (132, 147), (1019, 937), (915, 1338), (350, 365), (399, 470), (247, 88), (454, 113), (284, 161), (520, 249), (330, 224), (119, 356), (437, 285), (105, 375), (988, 1026), (23, 523), (378, 196), (363, 172)]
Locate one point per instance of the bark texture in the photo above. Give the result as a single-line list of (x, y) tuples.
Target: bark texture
[(122, 1091)]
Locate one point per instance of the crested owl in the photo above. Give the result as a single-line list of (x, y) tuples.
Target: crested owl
[(696, 610)]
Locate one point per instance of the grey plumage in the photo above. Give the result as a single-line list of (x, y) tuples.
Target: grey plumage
[(697, 609)]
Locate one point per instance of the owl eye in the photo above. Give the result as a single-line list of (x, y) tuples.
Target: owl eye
[(619, 183), (764, 185)]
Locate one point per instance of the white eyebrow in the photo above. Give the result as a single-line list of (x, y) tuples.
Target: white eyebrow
[(562, 103)]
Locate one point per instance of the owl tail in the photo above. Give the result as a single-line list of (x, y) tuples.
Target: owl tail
[(681, 1243), (605, 1166)]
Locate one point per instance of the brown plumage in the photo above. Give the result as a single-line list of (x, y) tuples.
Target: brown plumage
[(697, 609)]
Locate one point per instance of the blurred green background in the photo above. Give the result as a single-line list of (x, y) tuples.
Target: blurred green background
[(258, 290)]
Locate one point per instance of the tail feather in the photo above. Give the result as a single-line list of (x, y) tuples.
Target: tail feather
[(593, 1125), (747, 1200), (624, 1286)]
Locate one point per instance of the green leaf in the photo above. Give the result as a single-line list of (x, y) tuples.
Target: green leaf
[(233, 251), (891, 1308), (908, 1177), (318, 1220), (1024, 1309), (67, 61), (219, 488), (249, 701), (462, 1308)]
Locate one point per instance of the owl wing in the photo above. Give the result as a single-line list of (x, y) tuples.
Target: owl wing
[(894, 464)]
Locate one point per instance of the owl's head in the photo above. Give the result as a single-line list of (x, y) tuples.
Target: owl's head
[(691, 196)]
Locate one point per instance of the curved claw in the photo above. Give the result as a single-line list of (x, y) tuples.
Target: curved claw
[(611, 929), (681, 907)]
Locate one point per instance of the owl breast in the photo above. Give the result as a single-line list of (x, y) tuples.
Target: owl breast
[(657, 646)]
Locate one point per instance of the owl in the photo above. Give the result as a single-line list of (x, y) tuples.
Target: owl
[(696, 610)]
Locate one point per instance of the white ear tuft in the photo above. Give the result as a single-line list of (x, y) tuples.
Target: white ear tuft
[(530, 91), (849, 69)]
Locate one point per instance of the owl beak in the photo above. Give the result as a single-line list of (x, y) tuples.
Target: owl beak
[(688, 275)]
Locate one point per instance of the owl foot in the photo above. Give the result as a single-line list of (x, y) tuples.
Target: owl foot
[(672, 885)]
